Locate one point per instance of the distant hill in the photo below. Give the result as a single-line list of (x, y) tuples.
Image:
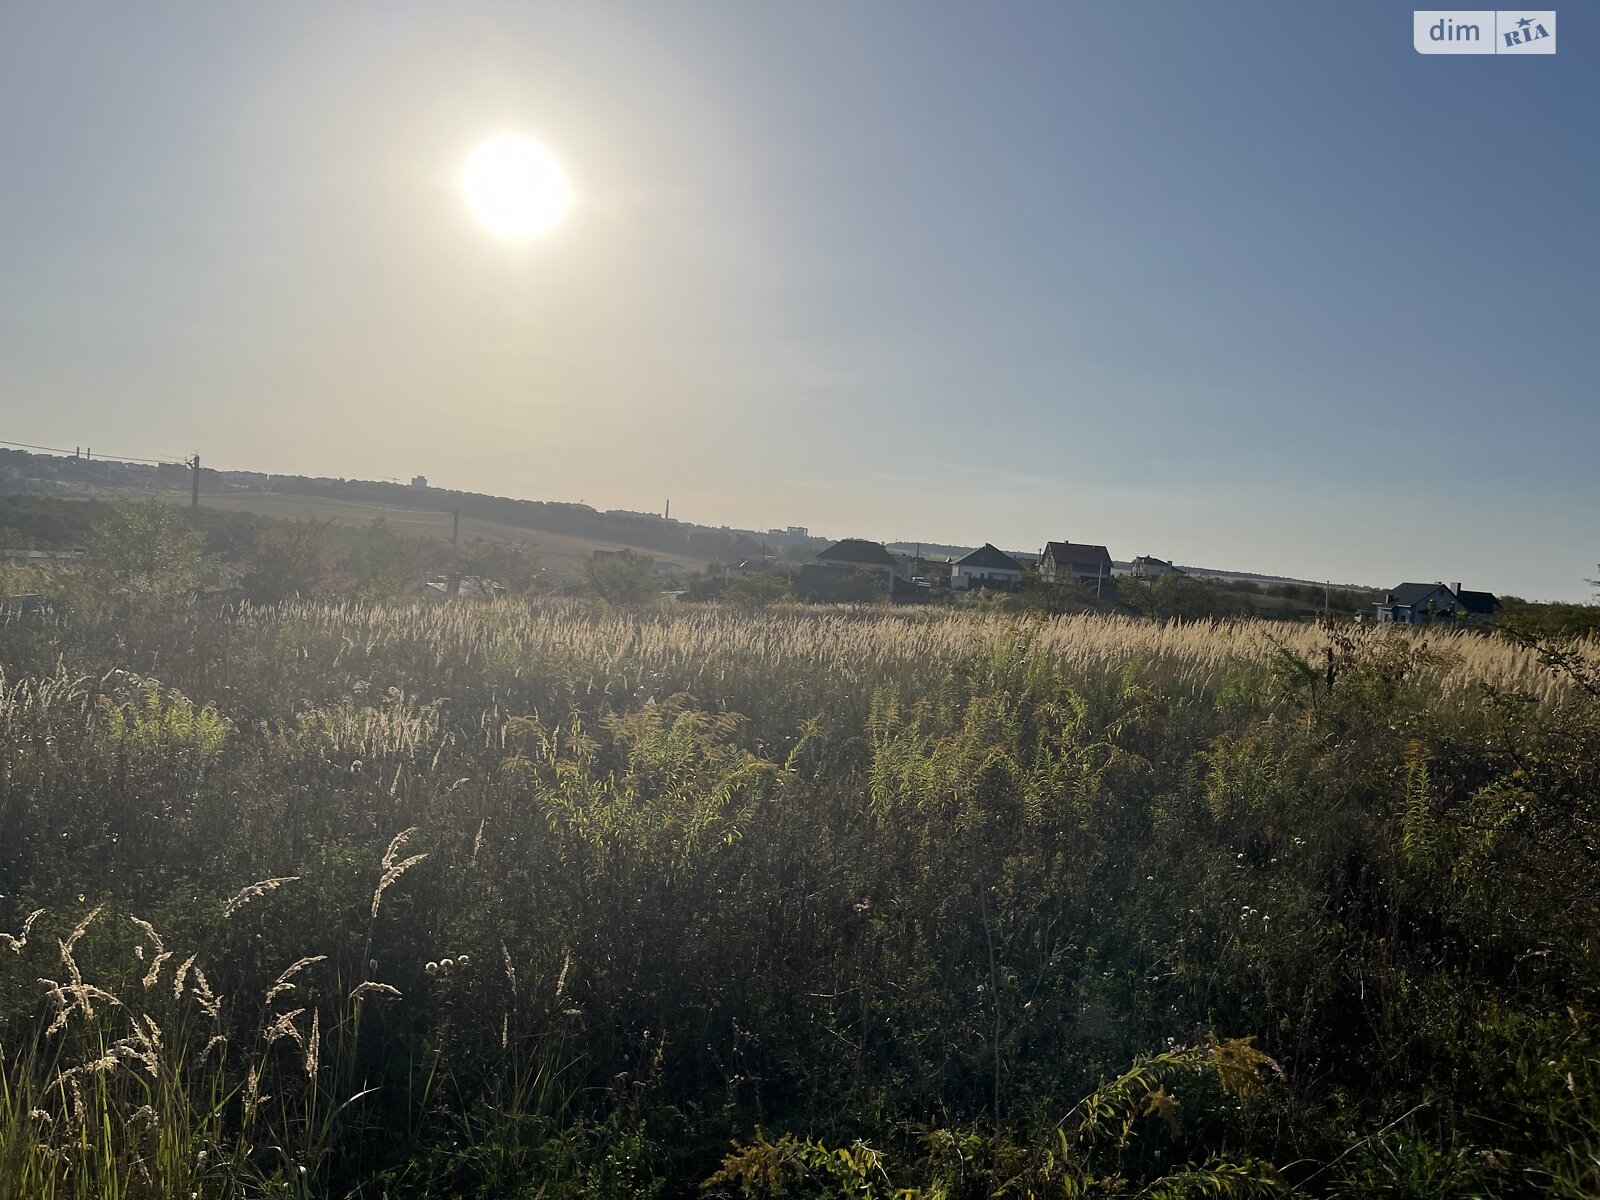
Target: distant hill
[(1252, 577), (559, 553), (564, 531)]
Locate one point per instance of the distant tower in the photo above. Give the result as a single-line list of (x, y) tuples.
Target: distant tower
[(667, 516)]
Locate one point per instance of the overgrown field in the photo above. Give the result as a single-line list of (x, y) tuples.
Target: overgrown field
[(548, 900)]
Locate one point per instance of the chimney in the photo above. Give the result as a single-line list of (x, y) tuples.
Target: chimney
[(1456, 588)]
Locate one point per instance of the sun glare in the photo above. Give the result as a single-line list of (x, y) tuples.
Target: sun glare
[(515, 187)]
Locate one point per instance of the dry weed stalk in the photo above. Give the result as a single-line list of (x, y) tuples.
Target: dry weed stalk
[(80, 929), (15, 944), (284, 1027), (154, 973), (313, 1044), (182, 976), (392, 869), (260, 888), (210, 1003), (511, 970), (369, 988), (283, 983), (149, 931)]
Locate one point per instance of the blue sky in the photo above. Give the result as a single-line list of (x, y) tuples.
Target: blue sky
[(1251, 286)]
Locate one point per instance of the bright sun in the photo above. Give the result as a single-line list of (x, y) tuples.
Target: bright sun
[(515, 187)]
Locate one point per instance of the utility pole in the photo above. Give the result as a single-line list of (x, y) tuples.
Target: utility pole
[(1326, 585), (194, 482), (455, 550)]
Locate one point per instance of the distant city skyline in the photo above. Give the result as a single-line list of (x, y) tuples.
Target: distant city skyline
[(1264, 290)]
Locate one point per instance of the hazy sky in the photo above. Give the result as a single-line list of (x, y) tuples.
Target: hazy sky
[(1249, 285)]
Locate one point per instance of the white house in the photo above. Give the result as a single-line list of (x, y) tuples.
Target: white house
[(986, 567), (1146, 567)]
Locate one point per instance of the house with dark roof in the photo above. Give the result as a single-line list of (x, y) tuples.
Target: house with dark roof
[(1065, 562), (986, 567), (860, 554), (1419, 603)]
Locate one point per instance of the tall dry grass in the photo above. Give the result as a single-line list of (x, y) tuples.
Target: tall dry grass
[(404, 899)]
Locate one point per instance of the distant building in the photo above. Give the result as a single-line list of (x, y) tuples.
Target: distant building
[(420, 482), (1145, 567), (1420, 603), (860, 554), (668, 567), (987, 567), (1067, 562), (798, 531), (461, 587), (41, 555)]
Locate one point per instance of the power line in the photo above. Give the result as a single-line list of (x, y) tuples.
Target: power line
[(176, 458)]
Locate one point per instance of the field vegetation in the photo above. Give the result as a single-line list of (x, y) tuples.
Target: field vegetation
[(560, 897)]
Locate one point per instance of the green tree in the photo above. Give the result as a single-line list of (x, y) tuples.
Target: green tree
[(290, 559), (1185, 598), (518, 569), (843, 585), (383, 564), (147, 551), (1058, 597), (621, 577), (758, 589)]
